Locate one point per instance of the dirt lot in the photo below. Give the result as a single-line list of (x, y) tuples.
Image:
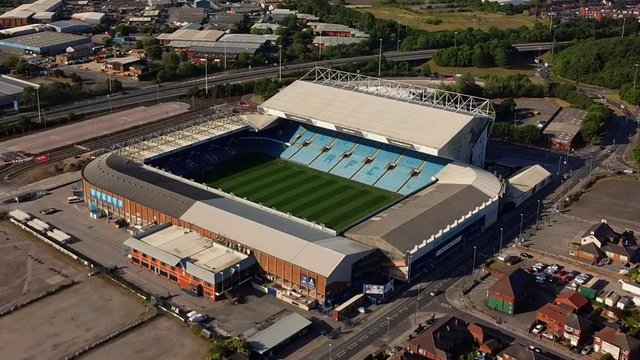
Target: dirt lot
[(161, 338), (617, 200), (29, 268), (60, 324)]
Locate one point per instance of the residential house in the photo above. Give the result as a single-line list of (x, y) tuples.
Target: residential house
[(554, 317), (601, 240), (620, 345), (510, 292), (577, 329), (574, 301), (591, 252), (482, 335), (447, 339), (520, 352)]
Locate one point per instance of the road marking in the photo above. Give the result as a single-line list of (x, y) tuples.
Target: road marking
[(363, 338), (383, 324), (404, 309), (351, 346), (393, 316), (341, 354), (375, 330)]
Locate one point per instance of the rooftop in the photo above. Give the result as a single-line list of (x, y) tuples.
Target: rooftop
[(565, 125), (527, 179), (514, 285), (619, 339), (248, 38), (89, 15), (279, 332), (43, 39), (12, 86), (192, 35), (337, 40), (26, 10), (422, 218)]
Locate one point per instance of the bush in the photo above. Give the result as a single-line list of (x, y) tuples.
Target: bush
[(433, 21)]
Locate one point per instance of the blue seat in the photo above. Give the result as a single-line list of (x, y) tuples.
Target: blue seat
[(295, 142), (429, 169), (330, 158), (349, 165), (371, 172), (308, 153)]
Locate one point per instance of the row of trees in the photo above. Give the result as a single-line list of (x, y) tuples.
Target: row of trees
[(630, 94), (593, 126), (264, 88), (605, 62), (492, 53)]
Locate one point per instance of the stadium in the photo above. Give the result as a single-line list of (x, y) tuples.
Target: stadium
[(341, 180)]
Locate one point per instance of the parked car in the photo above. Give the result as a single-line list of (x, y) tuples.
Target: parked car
[(526, 255), (574, 273), (572, 286), (362, 310), (549, 335), (586, 350), (533, 348), (538, 329), (435, 292), (48, 211)]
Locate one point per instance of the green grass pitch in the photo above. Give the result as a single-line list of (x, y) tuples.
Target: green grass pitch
[(304, 192)]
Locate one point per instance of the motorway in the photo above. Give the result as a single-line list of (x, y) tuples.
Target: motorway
[(175, 89)]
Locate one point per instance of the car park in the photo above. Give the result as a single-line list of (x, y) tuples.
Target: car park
[(538, 329)]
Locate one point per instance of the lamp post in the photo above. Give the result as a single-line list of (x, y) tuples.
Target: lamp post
[(624, 23), (388, 323), (206, 74), (538, 215), (501, 233), (38, 101), (553, 42), (110, 107), (521, 221), (417, 303), (380, 59), (398, 39), (635, 76), (158, 93), (280, 63), (590, 164), (225, 55), (473, 264), (330, 353), (455, 39)]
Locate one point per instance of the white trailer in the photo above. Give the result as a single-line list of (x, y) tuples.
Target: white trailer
[(20, 216)]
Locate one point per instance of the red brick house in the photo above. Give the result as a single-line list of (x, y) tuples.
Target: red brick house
[(602, 241), (487, 344), (510, 292), (577, 329), (554, 317), (519, 352), (620, 345), (447, 339), (574, 301)]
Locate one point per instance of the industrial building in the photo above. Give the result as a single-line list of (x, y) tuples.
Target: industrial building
[(526, 182), (25, 13), (70, 26), (43, 43), (451, 203), (283, 331), (91, 18), (11, 88), (563, 131), (202, 36), (195, 263)]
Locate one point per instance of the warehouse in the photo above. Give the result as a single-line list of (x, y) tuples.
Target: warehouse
[(526, 182), (197, 264), (70, 26), (209, 36), (11, 88), (23, 14), (44, 43), (282, 332), (91, 18)]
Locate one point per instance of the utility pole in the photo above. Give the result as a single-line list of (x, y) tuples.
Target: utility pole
[(280, 62), (206, 74), (380, 59), (38, 101), (521, 221)]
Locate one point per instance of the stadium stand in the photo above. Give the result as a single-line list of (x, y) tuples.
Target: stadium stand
[(330, 158), (380, 160), (381, 165), (355, 160)]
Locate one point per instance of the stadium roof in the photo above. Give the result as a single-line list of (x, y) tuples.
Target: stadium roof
[(422, 218), (311, 248), (278, 333), (386, 111)]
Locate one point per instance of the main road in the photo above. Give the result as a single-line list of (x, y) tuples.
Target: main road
[(175, 89)]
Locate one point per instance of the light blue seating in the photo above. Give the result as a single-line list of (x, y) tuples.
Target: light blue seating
[(429, 169), (296, 141), (329, 159), (349, 165), (371, 172), (308, 153)]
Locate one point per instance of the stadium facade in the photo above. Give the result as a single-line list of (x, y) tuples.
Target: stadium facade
[(414, 142)]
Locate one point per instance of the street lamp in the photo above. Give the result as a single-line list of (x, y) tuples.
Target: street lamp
[(280, 62), (38, 101), (473, 266), (225, 55), (330, 353), (455, 39), (206, 74), (388, 323), (380, 59), (538, 215), (521, 221), (417, 303), (553, 42), (158, 93), (110, 107), (635, 76), (501, 233)]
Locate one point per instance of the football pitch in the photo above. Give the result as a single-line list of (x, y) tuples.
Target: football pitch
[(303, 192)]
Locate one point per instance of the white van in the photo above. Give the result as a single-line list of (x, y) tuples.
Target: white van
[(74, 199)]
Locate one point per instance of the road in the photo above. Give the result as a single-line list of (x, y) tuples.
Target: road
[(175, 89)]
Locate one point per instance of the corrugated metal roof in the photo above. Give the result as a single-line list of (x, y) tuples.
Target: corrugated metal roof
[(279, 332), (399, 120), (248, 38), (153, 251), (526, 179)]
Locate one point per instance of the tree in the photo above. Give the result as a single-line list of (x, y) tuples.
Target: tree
[(116, 85), (154, 52), (24, 122), (21, 67), (171, 60), (11, 61), (186, 69)]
